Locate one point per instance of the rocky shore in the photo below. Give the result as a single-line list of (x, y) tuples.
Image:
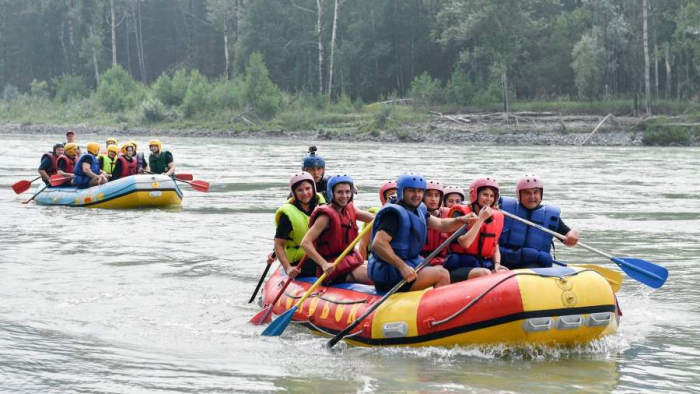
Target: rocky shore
[(537, 128)]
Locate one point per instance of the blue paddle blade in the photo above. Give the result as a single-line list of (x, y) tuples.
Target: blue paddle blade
[(644, 271), (277, 327)]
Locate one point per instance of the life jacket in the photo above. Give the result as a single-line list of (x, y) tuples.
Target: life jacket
[(157, 164), (341, 231), (523, 245), (108, 163), (53, 169), (140, 161), (79, 177), (70, 167), (128, 167), (407, 244), (300, 226), (434, 239), (479, 253)]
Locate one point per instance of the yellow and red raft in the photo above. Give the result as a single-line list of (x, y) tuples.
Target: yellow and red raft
[(550, 306)]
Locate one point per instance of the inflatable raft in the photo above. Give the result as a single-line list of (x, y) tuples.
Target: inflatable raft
[(136, 191), (550, 306)]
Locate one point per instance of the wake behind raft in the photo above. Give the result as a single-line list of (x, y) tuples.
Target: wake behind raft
[(544, 306)]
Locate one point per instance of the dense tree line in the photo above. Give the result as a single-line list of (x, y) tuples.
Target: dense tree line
[(445, 50)]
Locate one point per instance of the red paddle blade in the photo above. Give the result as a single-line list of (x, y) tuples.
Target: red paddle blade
[(57, 180), (262, 317), (184, 177), (201, 186), (21, 186)]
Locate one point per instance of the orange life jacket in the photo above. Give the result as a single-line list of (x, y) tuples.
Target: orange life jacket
[(487, 241)]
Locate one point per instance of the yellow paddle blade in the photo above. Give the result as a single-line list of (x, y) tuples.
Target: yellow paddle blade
[(613, 277)]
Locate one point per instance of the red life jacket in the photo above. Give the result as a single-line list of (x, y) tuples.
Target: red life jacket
[(486, 243), (70, 163), (128, 168), (53, 169), (341, 232), (434, 239)]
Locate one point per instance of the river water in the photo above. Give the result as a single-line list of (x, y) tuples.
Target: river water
[(156, 300)]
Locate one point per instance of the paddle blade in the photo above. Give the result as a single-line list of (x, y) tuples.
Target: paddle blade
[(277, 327), (184, 177), (614, 278), (200, 186), (262, 317), (21, 186), (57, 180), (644, 271)]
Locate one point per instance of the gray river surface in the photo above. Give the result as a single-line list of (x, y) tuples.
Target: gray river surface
[(106, 301)]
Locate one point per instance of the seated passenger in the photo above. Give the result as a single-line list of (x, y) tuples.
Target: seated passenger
[(398, 235), (48, 166), (160, 161), (292, 222), (87, 169), (66, 163), (126, 164), (523, 246), (332, 228), (386, 191), (109, 160), (433, 201), (454, 195), (110, 141), (476, 252)]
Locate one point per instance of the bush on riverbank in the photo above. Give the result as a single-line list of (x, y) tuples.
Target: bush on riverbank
[(664, 132)]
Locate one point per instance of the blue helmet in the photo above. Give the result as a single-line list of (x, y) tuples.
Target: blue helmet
[(312, 160), (409, 179), (335, 180)]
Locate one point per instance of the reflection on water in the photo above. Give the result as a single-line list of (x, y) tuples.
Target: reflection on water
[(156, 300)]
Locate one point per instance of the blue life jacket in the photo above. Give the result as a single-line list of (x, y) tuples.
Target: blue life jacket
[(81, 179), (407, 244), (522, 245)]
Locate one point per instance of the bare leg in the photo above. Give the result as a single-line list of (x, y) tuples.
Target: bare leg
[(431, 276), (359, 275), (477, 272)]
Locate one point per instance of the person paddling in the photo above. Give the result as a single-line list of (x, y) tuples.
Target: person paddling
[(453, 195), (160, 161), (66, 162), (48, 165), (126, 164), (521, 245), (433, 202), (398, 235), (87, 169), (292, 223), (476, 252), (387, 191), (332, 228)]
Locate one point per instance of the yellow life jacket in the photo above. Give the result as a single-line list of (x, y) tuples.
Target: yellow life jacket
[(108, 164), (300, 226)]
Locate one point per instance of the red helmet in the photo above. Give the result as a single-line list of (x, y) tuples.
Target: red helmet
[(478, 183), (453, 189), (386, 185), (302, 176), (527, 182)]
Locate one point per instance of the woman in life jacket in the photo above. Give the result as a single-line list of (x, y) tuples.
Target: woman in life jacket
[(66, 162), (292, 222), (108, 160), (453, 195), (126, 164), (332, 228), (387, 191), (433, 201), (476, 253)]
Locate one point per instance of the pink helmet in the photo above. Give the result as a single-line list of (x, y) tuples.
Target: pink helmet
[(435, 185), (529, 181), (302, 176), (386, 185), (453, 189), (478, 183)]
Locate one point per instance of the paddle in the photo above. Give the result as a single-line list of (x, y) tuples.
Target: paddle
[(264, 316), (22, 186), (394, 289), (58, 180), (277, 327), (262, 278), (641, 270), (34, 196), (200, 186), (614, 278), (184, 177)]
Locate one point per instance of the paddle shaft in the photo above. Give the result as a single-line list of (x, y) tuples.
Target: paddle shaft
[(34, 196), (286, 283), (262, 278), (394, 289)]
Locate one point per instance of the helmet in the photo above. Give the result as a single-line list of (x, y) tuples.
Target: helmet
[(93, 148), (71, 148), (113, 148), (435, 185), (302, 176), (530, 181), (111, 140), (478, 183), (409, 179), (454, 189), (156, 142), (386, 185), (125, 146), (336, 180), (56, 146), (312, 160)]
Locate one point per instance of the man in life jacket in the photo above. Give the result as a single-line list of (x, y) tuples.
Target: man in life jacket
[(523, 246), (433, 202), (108, 160), (454, 195), (398, 235), (126, 164), (476, 253), (48, 165), (387, 191), (292, 224), (316, 166), (160, 161), (66, 162), (87, 168), (332, 227)]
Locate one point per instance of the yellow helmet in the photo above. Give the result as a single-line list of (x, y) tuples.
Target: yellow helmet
[(112, 148), (93, 148), (128, 144), (111, 141), (155, 142), (134, 144), (71, 148)]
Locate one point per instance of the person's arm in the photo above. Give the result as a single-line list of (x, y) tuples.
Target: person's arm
[(307, 243), (291, 271), (87, 171), (364, 246), (382, 248), (571, 234), (62, 170), (116, 171), (363, 216), (45, 164), (467, 239), (448, 225), (171, 165), (496, 258)]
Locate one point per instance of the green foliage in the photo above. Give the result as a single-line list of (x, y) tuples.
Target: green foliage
[(489, 95), (660, 132), (163, 90), (152, 110), (589, 59), (260, 92), (69, 87), (459, 89), (39, 89), (118, 91), (227, 94), (197, 96), (426, 89), (11, 93), (180, 83)]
